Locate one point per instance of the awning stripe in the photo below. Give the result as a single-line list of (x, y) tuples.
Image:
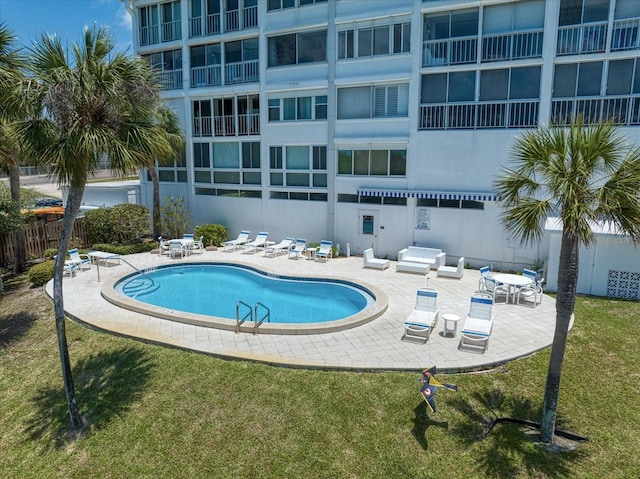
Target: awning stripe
[(430, 195)]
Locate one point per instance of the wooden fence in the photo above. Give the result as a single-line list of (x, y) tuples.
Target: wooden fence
[(38, 237)]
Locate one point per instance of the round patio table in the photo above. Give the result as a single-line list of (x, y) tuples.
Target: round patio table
[(513, 281)]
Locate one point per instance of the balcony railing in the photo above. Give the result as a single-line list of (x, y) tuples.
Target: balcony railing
[(512, 46), (249, 124), (171, 80), (582, 39), (510, 114), (206, 76), (231, 20), (250, 17), (195, 27), (149, 35), (224, 125), (213, 24), (202, 126), (171, 31), (625, 35), (620, 110), (449, 52), (242, 72)]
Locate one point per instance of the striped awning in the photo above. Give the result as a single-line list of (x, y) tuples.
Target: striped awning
[(431, 195)]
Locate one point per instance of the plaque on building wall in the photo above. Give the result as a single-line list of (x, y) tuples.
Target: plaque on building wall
[(423, 219)]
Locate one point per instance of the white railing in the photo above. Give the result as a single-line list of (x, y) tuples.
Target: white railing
[(195, 27), (511, 46), (621, 110), (213, 24), (250, 17), (231, 21), (202, 126), (206, 76), (625, 35), (149, 35), (241, 72), (509, 114), (449, 52), (249, 124), (225, 125), (171, 31), (171, 80), (582, 39)]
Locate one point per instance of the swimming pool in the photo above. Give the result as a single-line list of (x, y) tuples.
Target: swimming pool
[(208, 294)]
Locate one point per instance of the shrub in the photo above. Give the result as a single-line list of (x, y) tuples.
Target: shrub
[(98, 226), (125, 249), (49, 253), (212, 235), (40, 273), (130, 222), (176, 217)]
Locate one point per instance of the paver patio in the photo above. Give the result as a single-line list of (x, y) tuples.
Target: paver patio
[(518, 330)]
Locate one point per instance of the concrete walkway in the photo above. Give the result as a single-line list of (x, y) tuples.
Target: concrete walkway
[(518, 330)]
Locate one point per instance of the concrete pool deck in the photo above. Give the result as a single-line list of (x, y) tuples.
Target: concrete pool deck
[(518, 330)]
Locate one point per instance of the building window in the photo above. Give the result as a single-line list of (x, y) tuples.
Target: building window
[(168, 64), (298, 108), (450, 38), (201, 158), (449, 203), (297, 48), (373, 101), (298, 166), (149, 25), (376, 40), (583, 26), (206, 65), (372, 162)]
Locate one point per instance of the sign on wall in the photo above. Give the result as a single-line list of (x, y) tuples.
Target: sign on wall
[(423, 218)]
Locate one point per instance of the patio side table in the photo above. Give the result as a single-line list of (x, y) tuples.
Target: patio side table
[(450, 324)]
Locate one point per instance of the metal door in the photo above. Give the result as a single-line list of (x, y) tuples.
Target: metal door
[(367, 230)]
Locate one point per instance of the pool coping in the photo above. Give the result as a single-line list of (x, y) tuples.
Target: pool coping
[(377, 309)]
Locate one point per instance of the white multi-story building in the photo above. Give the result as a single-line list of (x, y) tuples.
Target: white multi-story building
[(378, 123)]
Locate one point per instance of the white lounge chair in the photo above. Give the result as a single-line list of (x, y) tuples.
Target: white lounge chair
[(259, 242), (80, 260), (424, 317), (371, 262), (242, 238), (477, 328), (274, 249), (324, 251), (298, 248), (452, 271)]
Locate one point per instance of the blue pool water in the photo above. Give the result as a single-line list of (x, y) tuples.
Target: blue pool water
[(214, 290)]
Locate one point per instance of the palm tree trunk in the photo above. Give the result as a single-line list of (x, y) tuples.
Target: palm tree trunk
[(19, 250), (157, 227), (565, 303), (71, 212)]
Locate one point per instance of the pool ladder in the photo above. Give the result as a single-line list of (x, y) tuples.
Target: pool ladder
[(251, 314)]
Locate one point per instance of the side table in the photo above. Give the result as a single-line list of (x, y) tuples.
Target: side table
[(450, 324)]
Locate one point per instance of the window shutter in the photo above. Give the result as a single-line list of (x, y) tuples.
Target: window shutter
[(380, 101), (392, 101)]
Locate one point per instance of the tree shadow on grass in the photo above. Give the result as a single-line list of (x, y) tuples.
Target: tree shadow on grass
[(14, 326), (421, 424), (512, 448), (106, 384)]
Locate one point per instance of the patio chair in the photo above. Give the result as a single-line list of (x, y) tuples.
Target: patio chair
[(80, 260), (324, 251), (298, 248), (531, 294), (477, 328), (176, 248), (69, 269), (274, 249), (242, 238), (484, 271), (188, 236), (259, 242), (452, 271), (197, 246), (163, 247), (495, 289), (371, 262), (424, 317)]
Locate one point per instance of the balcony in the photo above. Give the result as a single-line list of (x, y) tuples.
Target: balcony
[(241, 72), (171, 31), (171, 80), (195, 27), (509, 114), (625, 35), (225, 125), (206, 76), (250, 17), (202, 126), (213, 24), (582, 39), (149, 35), (249, 124), (231, 20), (449, 52), (512, 46), (619, 110)]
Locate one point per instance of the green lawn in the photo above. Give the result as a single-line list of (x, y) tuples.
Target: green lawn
[(156, 412)]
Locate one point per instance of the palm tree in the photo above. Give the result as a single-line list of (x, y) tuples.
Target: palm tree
[(96, 105), (12, 108), (586, 176), (167, 122)]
